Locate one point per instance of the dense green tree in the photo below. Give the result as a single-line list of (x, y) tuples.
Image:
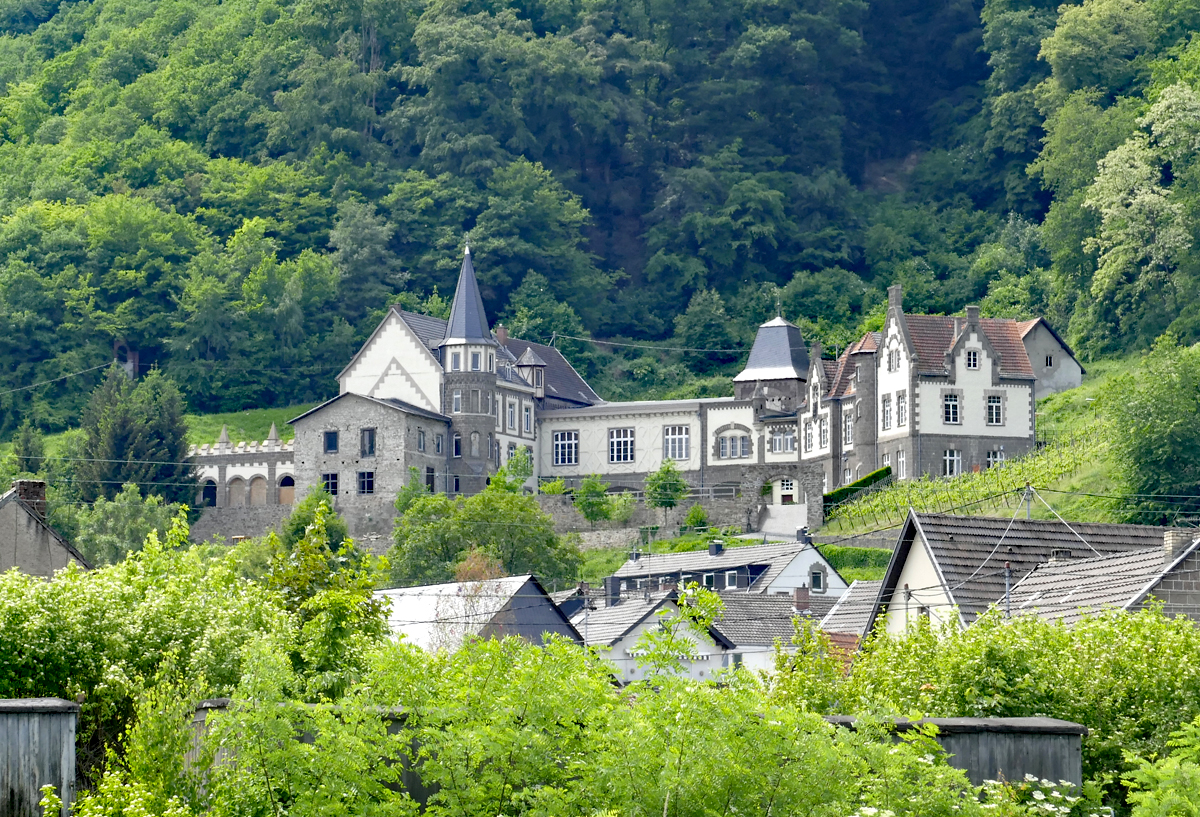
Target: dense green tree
[(666, 487), (28, 450), (110, 530), (591, 499), (706, 326), (304, 514), (135, 433)]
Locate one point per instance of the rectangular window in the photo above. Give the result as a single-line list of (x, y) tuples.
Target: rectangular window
[(818, 581), (972, 359), (900, 468), (789, 440), (512, 416), (824, 432), (475, 401), (951, 462), (745, 446), (366, 482), (886, 460), (995, 410), (787, 486), (330, 483), (537, 378), (528, 419), (331, 442), (566, 448), (455, 361), (723, 448), (995, 458), (848, 430), (512, 451), (950, 409), (457, 487), (620, 445), (437, 443), (710, 581), (893, 360), (420, 439), (846, 476), (491, 362), (676, 441), (1049, 361), (901, 409), (430, 478), (366, 439), (731, 579), (456, 402), (777, 441), (885, 412), (475, 361), (808, 437), (456, 444)]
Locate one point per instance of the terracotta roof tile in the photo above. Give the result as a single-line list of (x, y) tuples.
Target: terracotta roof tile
[(933, 335)]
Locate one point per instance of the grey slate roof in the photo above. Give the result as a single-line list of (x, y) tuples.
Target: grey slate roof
[(776, 556), (964, 550), (530, 358), (752, 620), (852, 612), (606, 626), (778, 353), (468, 320), (390, 402), (1067, 590)]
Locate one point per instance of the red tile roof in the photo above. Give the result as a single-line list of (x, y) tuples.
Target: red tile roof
[(933, 335)]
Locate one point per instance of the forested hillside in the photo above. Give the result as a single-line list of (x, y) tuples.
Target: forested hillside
[(238, 189)]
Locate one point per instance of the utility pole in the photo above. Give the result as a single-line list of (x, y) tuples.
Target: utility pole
[(1007, 589), (1028, 499)]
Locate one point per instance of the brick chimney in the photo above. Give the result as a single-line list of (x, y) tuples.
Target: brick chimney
[(502, 334), (32, 493), (716, 547), (972, 316), (1176, 541), (800, 598), (612, 590)]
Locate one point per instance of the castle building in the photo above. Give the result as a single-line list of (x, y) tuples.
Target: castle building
[(454, 400)]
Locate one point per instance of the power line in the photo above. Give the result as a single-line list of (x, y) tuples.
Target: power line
[(55, 380), (649, 345)]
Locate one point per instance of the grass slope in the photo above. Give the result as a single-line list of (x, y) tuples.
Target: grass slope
[(248, 425)]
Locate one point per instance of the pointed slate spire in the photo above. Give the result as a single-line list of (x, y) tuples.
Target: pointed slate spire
[(468, 322), (273, 438), (223, 441)]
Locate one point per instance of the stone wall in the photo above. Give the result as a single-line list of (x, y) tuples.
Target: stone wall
[(720, 512), (248, 521)]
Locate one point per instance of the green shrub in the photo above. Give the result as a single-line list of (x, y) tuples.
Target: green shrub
[(696, 517)]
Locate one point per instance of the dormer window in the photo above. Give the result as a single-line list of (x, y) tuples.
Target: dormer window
[(972, 359), (476, 359), (537, 378), (456, 361)]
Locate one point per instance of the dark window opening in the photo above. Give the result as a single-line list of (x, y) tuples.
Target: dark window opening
[(366, 482), (331, 442), (330, 481), (208, 494), (367, 438)]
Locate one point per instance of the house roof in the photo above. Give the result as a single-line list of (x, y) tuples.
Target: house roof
[(468, 321), (11, 496), (778, 353), (1066, 590), (530, 358), (564, 387), (851, 614), (605, 626), (775, 556), (390, 402), (969, 555), (440, 616), (934, 335), (1028, 326), (752, 620)]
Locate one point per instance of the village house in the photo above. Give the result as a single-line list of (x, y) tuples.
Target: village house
[(455, 400), (952, 569), (27, 542), (443, 616)]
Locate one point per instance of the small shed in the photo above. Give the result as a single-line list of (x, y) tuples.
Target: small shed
[(1005, 748), (37, 746)]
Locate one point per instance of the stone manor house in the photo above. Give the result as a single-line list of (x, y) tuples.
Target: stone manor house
[(454, 400)]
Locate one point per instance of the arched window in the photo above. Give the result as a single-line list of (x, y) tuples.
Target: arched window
[(237, 492), (258, 491), (208, 494), (287, 491)]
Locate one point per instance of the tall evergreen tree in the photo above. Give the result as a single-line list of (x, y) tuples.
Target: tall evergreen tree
[(29, 450)]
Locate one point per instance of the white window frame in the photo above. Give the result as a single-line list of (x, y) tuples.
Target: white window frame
[(816, 580), (734, 575), (823, 432), (951, 409), (722, 448), (528, 413), (951, 462), (677, 442), (745, 451), (565, 447), (995, 458), (420, 439), (476, 361), (621, 445), (995, 401), (885, 460), (901, 466), (512, 415), (901, 408), (789, 441), (455, 361), (885, 412), (808, 436), (972, 359), (848, 430), (456, 402)]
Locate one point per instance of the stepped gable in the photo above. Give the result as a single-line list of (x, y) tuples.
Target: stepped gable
[(778, 353), (934, 335), (468, 321)]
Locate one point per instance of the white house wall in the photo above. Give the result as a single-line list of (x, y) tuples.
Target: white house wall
[(798, 573), (708, 663), (593, 431), (892, 383), (1063, 373), (395, 364), (920, 575), (974, 385)]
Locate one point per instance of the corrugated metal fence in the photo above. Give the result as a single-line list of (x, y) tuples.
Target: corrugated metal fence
[(37, 746)]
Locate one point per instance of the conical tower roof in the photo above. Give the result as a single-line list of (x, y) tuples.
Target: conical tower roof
[(468, 322), (778, 353)]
